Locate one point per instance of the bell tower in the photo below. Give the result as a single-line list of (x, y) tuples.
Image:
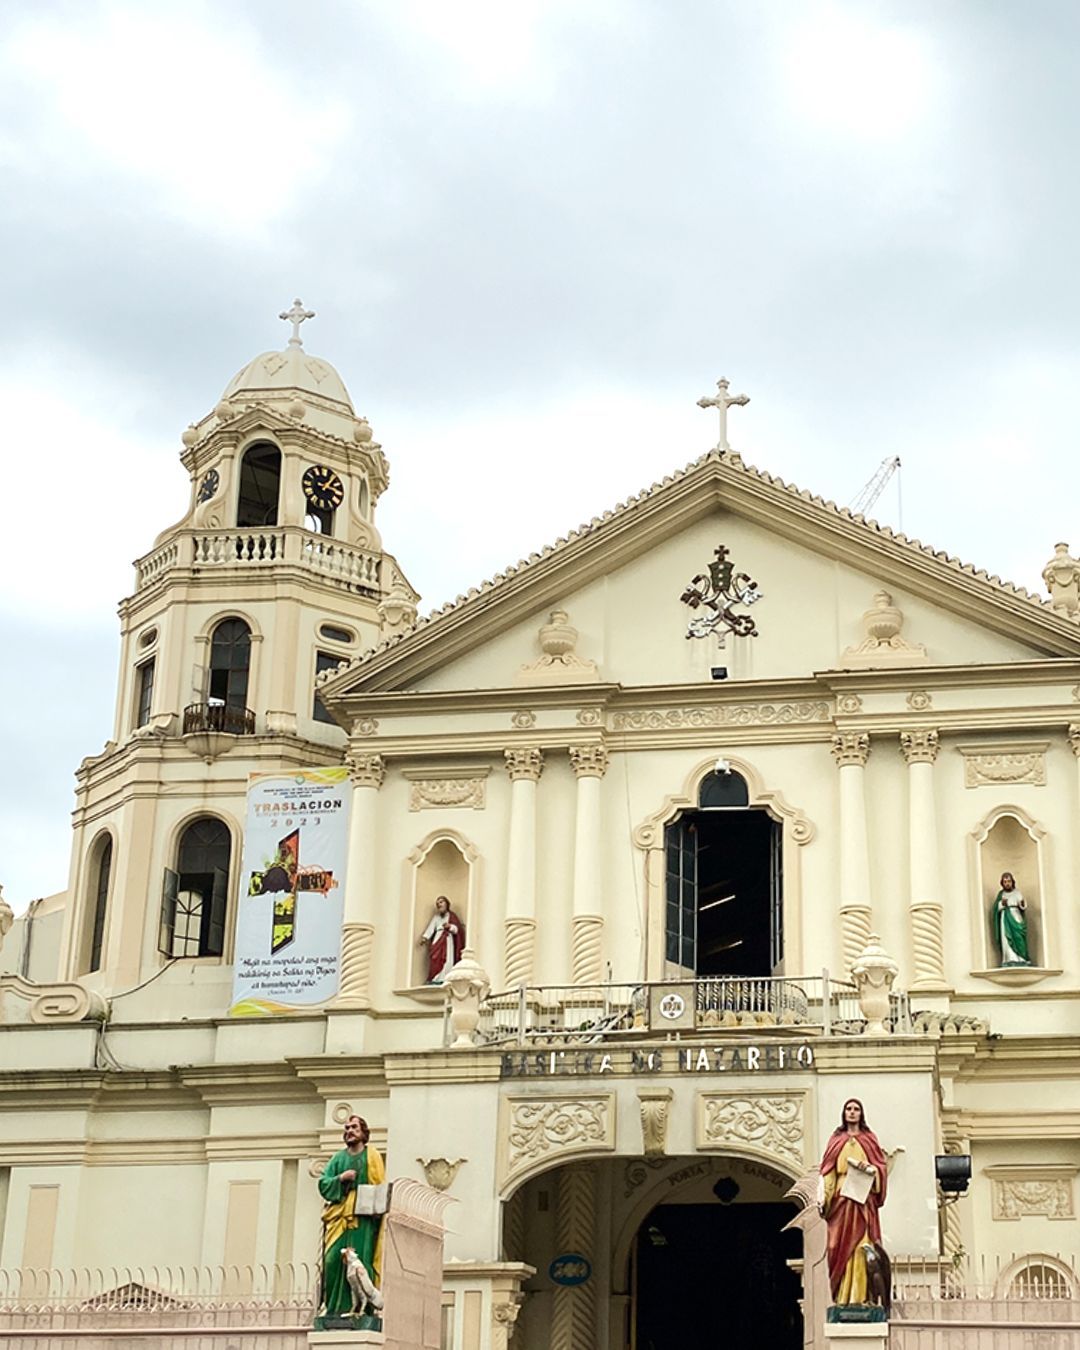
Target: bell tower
[(275, 573)]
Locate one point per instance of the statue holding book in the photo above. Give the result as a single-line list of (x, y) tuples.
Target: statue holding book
[(353, 1187), (853, 1182)]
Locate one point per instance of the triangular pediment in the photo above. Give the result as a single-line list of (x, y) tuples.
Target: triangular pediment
[(818, 566)]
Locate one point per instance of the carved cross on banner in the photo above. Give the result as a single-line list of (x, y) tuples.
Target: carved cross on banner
[(722, 401), (296, 317)]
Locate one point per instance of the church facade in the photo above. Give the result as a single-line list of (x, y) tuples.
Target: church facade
[(689, 781)]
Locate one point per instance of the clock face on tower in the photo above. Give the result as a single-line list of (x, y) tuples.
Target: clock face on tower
[(323, 488), (208, 486)]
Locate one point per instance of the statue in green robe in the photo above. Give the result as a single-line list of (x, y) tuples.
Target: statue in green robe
[(1008, 919), (358, 1165)]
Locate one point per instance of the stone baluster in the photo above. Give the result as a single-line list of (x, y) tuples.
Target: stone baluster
[(851, 749), (590, 763), (524, 768), (920, 749), (361, 902)]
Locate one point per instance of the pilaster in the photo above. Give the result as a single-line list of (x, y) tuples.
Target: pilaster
[(589, 764), (524, 767), (920, 750), (851, 750), (367, 772)]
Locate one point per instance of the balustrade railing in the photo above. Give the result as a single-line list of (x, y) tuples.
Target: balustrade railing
[(583, 1014), (351, 567), (200, 717)]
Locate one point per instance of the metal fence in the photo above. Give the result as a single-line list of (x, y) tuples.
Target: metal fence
[(561, 1015), (1027, 1302), (211, 1308)]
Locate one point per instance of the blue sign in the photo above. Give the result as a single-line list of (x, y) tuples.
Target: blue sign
[(569, 1269)]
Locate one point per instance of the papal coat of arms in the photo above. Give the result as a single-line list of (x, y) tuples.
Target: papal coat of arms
[(718, 593)]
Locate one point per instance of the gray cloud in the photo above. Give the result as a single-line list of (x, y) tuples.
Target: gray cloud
[(640, 205)]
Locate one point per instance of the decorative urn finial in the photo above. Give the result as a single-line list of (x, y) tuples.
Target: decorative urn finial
[(874, 973)]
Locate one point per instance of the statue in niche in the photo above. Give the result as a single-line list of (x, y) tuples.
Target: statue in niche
[(1008, 921), (444, 938), (353, 1187), (854, 1178)]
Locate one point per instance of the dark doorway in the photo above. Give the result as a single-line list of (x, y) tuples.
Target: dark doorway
[(725, 893), (715, 1275)]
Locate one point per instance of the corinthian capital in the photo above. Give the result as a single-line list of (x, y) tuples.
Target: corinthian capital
[(367, 770), (589, 761), (524, 764), (1074, 738), (919, 747), (851, 747)]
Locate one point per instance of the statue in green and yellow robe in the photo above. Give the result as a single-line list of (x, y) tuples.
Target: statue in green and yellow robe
[(357, 1164)]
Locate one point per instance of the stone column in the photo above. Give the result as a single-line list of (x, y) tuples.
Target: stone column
[(573, 1318), (361, 903), (524, 768), (590, 763), (851, 749), (920, 749)]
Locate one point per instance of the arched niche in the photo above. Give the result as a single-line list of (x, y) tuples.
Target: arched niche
[(714, 779), (1010, 840), (445, 863)]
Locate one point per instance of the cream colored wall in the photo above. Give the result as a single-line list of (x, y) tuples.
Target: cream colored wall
[(632, 623)]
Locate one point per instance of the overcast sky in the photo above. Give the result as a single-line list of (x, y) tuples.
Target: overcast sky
[(535, 232)]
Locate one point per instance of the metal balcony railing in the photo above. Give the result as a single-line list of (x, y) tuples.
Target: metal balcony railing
[(584, 1014), (203, 717)]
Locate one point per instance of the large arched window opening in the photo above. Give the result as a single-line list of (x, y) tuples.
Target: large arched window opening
[(98, 894), (230, 663), (195, 893), (260, 484), (724, 884)]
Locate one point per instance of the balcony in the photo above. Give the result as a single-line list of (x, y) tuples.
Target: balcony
[(572, 1015), (191, 552), (218, 717)]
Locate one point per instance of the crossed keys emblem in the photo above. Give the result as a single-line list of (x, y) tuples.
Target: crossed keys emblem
[(718, 593)]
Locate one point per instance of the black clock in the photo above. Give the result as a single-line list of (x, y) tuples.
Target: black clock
[(323, 488), (208, 486)]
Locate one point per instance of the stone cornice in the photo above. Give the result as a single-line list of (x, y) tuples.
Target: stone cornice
[(611, 540)]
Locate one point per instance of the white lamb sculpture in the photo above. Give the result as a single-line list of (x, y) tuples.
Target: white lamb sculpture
[(364, 1293)]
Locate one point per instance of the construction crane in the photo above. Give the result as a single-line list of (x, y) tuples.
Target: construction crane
[(864, 500)]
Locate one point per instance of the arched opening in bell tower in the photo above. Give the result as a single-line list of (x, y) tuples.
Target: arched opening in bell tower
[(724, 885), (260, 486)]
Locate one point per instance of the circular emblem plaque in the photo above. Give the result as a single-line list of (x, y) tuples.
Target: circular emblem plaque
[(569, 1269), (672, 1006)]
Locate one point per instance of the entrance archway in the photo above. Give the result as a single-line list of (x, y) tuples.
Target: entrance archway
[(684, 1251)]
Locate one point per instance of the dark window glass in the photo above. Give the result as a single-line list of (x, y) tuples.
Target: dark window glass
[(101, 881), (323, 661), (334, 634), (230, 660), (260, 480), (144, 693), (723, 789), (195, 895)]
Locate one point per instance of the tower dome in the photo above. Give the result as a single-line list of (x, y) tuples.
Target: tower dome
[(294, 380)]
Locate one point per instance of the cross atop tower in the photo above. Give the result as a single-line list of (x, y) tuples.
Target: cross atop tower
[(296, 317), (721, 401)]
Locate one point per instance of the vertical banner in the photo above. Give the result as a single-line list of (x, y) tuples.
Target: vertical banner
[(292, 888)]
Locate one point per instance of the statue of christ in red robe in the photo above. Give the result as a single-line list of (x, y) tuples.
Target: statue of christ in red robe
[(444, 938)]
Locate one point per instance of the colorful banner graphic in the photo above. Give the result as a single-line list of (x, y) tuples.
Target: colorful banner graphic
[(292, 887)]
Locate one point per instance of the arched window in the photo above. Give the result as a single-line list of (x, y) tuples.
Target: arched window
[(230, 661), (260, 481), (195, 894), (100, 877), (723, 789)]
